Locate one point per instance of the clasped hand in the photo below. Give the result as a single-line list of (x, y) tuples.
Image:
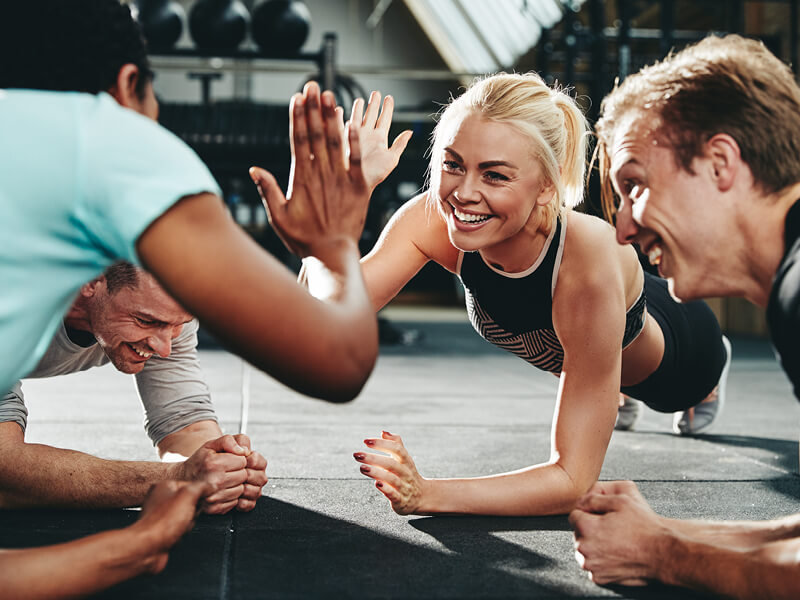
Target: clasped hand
[(617, 534), (234, 471)]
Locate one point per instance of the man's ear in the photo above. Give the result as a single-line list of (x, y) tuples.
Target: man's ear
[(124, 90), (726, 159), (90, 289)]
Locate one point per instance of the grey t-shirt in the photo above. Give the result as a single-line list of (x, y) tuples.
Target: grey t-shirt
[(172, 389)]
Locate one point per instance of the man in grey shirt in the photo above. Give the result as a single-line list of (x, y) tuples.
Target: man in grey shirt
[(126, 318)]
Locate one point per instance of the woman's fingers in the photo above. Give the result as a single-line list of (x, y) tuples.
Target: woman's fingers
[(391, 493), (400, 142), (387, 110), (384, 462), (354, 158), (373, 110), (391, 447), (387, 476), (357, 112)]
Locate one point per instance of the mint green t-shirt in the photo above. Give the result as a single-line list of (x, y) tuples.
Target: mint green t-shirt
[(80, 179)]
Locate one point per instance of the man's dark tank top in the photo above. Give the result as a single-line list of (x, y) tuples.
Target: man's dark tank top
[(514, 311)]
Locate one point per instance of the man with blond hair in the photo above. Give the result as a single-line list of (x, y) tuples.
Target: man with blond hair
[(700, 162)]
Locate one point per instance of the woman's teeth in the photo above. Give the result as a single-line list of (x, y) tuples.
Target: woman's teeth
[(470, 218), (654, 255)]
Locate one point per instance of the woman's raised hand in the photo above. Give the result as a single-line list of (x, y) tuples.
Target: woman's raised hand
[(395, 475), (327, 198), (378, 159)]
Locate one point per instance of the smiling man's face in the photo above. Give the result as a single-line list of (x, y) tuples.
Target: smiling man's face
[(132, 324), (678, 218)]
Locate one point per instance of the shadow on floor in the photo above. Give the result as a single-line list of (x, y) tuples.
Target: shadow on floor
[(785, 451), (295, 552), (287, 551)]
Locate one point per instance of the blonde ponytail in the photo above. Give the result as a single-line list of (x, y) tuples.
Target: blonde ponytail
[(573, 165)]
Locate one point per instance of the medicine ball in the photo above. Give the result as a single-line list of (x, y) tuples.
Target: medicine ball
[(161, 22), (218, 24), (280, 27)]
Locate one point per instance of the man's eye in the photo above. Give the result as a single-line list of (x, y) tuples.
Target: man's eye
[(145, 322), (631, 187)]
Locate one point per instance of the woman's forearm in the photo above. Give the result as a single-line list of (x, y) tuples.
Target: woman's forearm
[(78, 568), (544, 489)]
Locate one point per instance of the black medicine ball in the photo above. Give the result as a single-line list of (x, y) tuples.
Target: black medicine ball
[(218, 24), (280, 27), (161, 22)]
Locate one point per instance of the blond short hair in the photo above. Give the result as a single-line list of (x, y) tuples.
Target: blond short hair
[(547, 116), (729, 85)]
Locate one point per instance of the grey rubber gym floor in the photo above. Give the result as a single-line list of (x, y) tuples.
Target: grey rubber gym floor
[(463, 408)]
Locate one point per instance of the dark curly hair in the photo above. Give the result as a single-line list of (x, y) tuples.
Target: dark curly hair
[(69, 45)]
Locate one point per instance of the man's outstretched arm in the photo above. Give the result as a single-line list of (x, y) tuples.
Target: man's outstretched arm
[(91, 564), (769, 571), (40, 475)]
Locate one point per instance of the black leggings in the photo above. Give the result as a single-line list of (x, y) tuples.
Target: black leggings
[(694, 355)]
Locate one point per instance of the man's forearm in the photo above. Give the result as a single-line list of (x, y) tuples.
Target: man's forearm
[(740, 535), (767, 572), (37, 475)]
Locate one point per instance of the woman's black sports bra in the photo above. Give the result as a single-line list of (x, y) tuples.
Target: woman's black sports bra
[(514, 311)]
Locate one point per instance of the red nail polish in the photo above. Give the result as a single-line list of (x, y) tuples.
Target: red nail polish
[(369, 442), (379, 484), (359, 455), (364, 469)]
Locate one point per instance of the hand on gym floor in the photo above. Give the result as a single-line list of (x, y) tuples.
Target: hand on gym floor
[(395, 475), (256, 477), (616, 534), (378, 159), (327, 199), (168, 512)]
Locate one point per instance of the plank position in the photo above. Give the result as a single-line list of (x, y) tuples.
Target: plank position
[(125, 318), (542, 281)]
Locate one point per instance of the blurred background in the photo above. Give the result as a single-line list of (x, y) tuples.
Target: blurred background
[(225, 70)]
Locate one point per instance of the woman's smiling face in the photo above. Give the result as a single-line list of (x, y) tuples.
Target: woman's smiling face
[(490, 184)]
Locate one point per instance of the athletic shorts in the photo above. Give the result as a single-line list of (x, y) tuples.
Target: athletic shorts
[(694, 355)]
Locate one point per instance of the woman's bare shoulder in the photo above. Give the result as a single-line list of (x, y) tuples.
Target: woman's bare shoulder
[(419, 220), (593, 258)]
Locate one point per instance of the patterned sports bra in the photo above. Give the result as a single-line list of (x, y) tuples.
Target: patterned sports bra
[(514, 311)]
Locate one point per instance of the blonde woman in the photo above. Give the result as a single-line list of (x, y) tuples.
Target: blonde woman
[(549, 284)]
